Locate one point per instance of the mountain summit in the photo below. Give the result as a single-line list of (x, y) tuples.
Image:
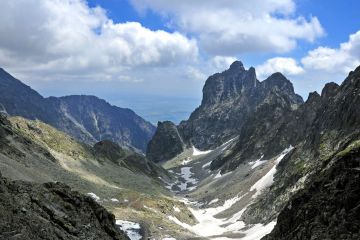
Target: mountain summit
[(230, 99)]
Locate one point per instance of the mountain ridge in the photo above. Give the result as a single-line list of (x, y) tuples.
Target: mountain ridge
[(87, 118)]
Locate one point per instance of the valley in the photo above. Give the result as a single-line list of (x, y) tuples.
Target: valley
[(236, 169)]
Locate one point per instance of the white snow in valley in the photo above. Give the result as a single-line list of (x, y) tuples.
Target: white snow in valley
[(219, 175), (176, 209), (186, 161), (209, 226), (268, 179), (197, 152), (94, 196), (257, 163), (213, 201), (187, 175), (114, 200), (206, 164), (131, 229), (151, 209)]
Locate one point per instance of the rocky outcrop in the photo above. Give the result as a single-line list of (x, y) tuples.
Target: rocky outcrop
[(52, 211), (87, 118), (166, 143), (110, 151), (233, 102), (328, 208)]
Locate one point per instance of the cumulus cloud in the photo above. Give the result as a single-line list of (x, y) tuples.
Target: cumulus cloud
[(231, 27), (344, 59), (221, 63), (69, 37), (287, 66)]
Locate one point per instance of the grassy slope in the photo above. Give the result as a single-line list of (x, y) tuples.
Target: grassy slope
[(37, 152)]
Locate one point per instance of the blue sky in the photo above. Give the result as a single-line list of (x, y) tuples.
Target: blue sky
[(154, 55)]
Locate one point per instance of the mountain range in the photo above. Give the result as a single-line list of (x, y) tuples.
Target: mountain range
[(253, 161), (86, 118)]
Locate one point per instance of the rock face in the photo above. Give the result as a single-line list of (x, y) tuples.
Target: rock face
[(166, 143), (319, 130), (52, 211), (87, 118), (231, 101), (328, 208)]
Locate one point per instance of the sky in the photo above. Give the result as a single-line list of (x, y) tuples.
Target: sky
[(154, 56)]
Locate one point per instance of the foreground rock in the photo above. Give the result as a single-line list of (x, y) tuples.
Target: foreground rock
[(329, 208), (52, 211)]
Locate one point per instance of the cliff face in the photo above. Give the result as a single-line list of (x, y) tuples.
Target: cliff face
[(321, 128), (231, 101), (232, 97), (166, 143), (52, 211)]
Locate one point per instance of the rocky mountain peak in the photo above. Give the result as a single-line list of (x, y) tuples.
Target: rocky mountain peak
[(166, 143), (278, 80), (228, 85), (237, 66), (329, 90)]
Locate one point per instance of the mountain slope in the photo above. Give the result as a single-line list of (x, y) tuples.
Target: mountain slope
[(124, 182), (239, 188), (86, 118), (328, 208)]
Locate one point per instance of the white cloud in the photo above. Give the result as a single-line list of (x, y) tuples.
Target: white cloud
[(344, 59), (221, 63), (232, 27), (287, 66), (67, 37)]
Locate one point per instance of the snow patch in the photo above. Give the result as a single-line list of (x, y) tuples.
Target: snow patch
[(268, 179), (176, 209), (186, 174), (151, 209), (209, 225), (257, 162), (213, 201), (197, 152), (114, 200), (223, 175), (206, 164), (94, 196), (131, 229), (186, 161)]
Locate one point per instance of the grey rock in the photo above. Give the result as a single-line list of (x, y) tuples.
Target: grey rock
[(166, 143), (52, 211)]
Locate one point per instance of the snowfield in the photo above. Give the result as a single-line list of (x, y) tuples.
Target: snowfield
[(212, 227), (267, 180), (131, 229)]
